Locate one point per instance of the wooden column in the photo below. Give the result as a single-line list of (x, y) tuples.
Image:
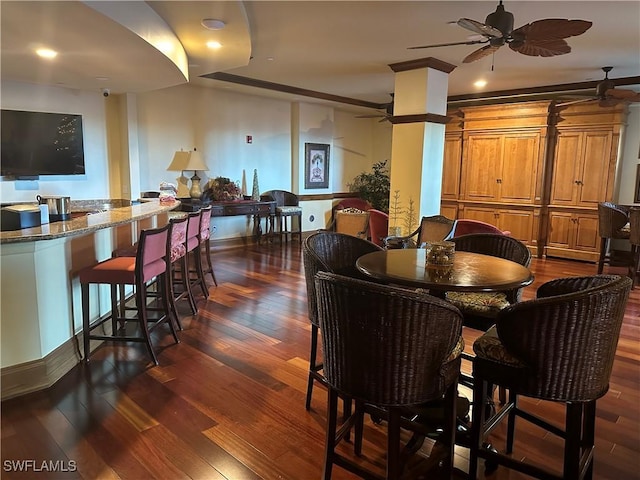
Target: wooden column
[(419, 118)]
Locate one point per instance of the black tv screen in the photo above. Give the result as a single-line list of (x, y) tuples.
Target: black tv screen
[(38, 143)]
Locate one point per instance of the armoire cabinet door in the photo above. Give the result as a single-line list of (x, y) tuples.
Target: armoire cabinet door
[(581, 170), (575, 231), (482, 163), (501, 167), (519, 222), (595, 168), (519, 172), (451, 167), (566, 169)]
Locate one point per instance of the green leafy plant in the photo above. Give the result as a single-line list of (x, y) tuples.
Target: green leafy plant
[(374, 186)]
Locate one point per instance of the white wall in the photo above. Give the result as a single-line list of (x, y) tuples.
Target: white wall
[(630, 157), (91, 105)]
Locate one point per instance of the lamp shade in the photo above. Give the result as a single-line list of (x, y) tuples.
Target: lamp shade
[(190, 160)]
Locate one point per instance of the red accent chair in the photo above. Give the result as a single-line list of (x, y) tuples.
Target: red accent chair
[(378, 226), (466, 226)]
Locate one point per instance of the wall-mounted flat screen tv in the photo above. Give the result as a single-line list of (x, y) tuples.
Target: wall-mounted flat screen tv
[(38, 143)]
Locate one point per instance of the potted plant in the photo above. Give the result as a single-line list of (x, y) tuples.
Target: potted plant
[(374, 186)]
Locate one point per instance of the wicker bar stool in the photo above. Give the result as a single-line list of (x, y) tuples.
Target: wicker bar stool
[(612, 223), (149, 264), (327, 252), (392, 350), (559, 347)]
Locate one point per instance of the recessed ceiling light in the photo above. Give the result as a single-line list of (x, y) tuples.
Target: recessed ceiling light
[(214, 45), (480, 83), (46, 53), (102, 79), (212, 24)]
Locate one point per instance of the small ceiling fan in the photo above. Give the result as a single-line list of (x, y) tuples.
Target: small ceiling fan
[(542, 38), (607, 95), (386, 116)]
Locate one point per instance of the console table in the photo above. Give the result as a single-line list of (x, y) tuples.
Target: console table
[(256, 209)]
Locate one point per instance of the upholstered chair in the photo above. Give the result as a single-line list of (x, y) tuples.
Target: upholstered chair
[(432, 229), (150, 264)]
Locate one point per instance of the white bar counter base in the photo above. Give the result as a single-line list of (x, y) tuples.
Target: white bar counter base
[(41, 307)]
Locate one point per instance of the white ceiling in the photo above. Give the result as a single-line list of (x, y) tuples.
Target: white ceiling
[(336, 47)]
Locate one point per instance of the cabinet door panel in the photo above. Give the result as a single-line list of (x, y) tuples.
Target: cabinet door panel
[(451, 167), (565, 168), (487, 215), (482, 163), (595, 168), (519, 168), (449, 211), (586, 236), (519, 223), (560, 228)]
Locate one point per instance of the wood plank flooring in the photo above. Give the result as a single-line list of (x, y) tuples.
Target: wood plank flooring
[(228, 401)]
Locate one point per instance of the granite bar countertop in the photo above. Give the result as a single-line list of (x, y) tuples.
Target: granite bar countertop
[(99, 214)]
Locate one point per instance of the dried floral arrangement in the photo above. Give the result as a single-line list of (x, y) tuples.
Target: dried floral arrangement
[(222, 189)]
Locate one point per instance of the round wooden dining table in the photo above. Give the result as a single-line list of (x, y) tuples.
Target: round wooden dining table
[(470, 272)]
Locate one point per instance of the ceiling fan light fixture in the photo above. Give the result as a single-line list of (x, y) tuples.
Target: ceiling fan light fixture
[(213, 24)]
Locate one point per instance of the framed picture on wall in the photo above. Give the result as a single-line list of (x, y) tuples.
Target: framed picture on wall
[(316, 165), (636, 196)]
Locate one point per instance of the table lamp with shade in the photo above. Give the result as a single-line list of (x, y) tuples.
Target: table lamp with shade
[(190, 160)]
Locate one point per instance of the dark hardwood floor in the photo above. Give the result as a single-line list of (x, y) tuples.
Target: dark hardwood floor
[(228, 401)]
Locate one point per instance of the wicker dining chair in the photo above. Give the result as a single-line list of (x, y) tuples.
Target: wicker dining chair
[(480, 309), (328, 252), (432, 229), (391, 349), (612, 224), (559, 347)]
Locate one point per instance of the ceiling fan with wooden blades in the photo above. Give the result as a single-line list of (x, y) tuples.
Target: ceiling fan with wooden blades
[(541, 38), (386, 116), (607, 95)]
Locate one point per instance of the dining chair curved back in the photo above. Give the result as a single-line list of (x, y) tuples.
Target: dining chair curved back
[(287, 206), (479, 309), (195, 275), (328, 252), (434, 228), (572, 366), (612, 220), (389, 348), (464, 226), (378, 226), (178, 265), (205, 244)]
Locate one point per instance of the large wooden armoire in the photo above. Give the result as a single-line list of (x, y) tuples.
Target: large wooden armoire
[(534, 169)]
